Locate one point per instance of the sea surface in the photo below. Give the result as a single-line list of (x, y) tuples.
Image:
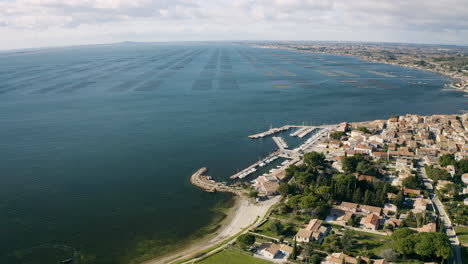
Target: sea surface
[(97, 143)]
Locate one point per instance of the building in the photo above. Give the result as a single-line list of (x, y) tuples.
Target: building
[(419, 205), (371, 222), (340, 258), (272, 250), (349, 207), (431, 227), (314, 231), (368, 209)]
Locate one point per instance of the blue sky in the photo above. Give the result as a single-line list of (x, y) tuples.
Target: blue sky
[(41, 23)]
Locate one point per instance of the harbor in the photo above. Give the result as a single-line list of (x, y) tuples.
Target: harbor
[(291, 157)]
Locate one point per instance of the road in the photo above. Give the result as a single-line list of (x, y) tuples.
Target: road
[(439, 207)]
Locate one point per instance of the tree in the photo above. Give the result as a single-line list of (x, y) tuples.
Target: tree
[(463, 165), (323, 192), (315, 259), (246, 240), (309, 202), (294, 251), (364, 129), (337, 135), (447, 159), (253, 194), (347, 240), (402, 233), (284, 188), (400, 197), (411, 182), (276, 227), (314, 159)]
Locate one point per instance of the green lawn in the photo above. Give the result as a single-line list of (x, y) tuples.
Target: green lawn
[(229, 256), (462, 233), (290, 231), (371, 242)]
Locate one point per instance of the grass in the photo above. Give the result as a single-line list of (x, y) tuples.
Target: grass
[(462, 233), (230, 256), (371, 242), (265, 230)]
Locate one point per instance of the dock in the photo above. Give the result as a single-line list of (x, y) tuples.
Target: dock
[(245, 172), (271, 131), (280, 142)]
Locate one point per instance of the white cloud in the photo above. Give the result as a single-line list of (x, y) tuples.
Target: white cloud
[(401, 20)]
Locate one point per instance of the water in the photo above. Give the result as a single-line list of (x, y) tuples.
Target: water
[(97, 144)]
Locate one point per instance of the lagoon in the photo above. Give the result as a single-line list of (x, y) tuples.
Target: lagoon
[(97, 143)]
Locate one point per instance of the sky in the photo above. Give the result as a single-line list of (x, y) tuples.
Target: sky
[(45, 23)]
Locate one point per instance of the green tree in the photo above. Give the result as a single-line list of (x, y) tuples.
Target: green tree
[(364, 129), (337, 135), (246, 240), (447, 159), (347, 240), (463, 165), (309, 202), (253, 193), (411, 182), (314, 159), (284, 188), (276, 227)]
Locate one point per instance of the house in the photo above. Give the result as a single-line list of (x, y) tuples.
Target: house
[(340, 258), (407, 191), (419, 205), (371, 222), (393, 222), (368, 209), (314, 231), (268, 188), (388, 207), (349, 207), (365, 178), (465, 178), (364, 148), (272, 250), (431, 227)]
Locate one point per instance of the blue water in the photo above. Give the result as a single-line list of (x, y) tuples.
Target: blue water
[(97, 143)]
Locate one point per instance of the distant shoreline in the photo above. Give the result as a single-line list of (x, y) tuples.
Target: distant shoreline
[(454, 80)]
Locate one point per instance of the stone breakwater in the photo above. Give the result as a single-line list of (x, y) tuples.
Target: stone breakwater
[(206, 183)]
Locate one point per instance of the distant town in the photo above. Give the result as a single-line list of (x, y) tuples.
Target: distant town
[(383, 191), (451, 61)]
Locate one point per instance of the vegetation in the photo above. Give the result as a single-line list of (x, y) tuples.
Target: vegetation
[(337, 135), (412, 182), (462, 233), (246, 240), (364, 129), (447, 159), (437, 174), (425, 246)]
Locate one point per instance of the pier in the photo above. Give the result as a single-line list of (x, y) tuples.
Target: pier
[(271, 131), (280, 142), (243, 173)]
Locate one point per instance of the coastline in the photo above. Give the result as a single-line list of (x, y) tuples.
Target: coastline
[(242, 215), (453, 80)]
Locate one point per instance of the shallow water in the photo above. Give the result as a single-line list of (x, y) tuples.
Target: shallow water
[(97, 143)]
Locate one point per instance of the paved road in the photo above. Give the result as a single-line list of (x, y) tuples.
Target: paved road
[(439, 207)]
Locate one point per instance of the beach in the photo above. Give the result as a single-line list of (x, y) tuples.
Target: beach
[(243, 214)]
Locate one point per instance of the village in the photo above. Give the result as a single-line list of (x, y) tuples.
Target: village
[(363, 190)]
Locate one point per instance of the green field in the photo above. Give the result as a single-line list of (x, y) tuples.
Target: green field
[(373, 243), (229, 256), (289, 229), (462, 233)]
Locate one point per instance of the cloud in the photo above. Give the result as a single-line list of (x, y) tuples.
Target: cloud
[(267, 18)]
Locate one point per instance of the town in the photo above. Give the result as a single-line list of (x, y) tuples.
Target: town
[(383, 191)]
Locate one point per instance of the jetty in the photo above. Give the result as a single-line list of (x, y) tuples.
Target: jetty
[(280, 142), (206, 183), (271, 131), (249, 170)]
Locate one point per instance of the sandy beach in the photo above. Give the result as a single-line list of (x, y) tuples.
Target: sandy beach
[(242, 215)]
